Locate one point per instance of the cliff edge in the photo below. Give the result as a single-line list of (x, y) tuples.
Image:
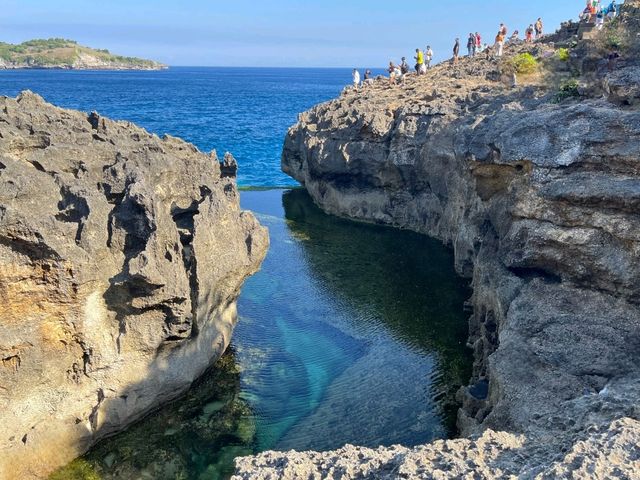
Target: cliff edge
[(121, 258), (536, 186)]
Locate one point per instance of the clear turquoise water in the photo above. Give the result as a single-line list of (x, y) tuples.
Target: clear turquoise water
[(365, 331), (350, 333)]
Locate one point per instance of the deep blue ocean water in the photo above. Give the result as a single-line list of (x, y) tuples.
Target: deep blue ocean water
[(246, 111), (350, 333)]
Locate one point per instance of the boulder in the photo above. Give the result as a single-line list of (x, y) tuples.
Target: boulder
[(623, 86), (121, 258)]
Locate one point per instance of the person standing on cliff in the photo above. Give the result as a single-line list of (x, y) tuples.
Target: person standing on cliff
[(471, 45), (456, 52), (478, 43), (528, 34), (404, 66), (539, 28), (499, 46), (394, 72), (428, 56), (356, 79), (368, 79), (419, 61)]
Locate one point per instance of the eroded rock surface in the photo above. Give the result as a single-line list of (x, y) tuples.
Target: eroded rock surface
[(610, 453), (121, 258), (538, 196)]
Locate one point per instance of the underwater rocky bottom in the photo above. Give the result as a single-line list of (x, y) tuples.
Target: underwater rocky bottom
[(350, 333)]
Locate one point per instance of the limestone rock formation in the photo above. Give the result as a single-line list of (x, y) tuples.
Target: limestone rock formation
[(610, 453), (538, 194), (121, 258)]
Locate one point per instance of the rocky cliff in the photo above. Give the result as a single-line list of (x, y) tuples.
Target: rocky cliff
[(121, 258), (537, 189)]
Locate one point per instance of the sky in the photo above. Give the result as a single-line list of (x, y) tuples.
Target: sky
[(274, 33)]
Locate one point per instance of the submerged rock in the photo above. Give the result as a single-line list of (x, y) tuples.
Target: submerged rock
[(539, 199), (121, 258)]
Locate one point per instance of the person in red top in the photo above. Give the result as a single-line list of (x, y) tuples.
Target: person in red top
[(529, 34), (478, 42)]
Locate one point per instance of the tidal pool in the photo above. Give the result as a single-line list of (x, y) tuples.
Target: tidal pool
[(350, 333)]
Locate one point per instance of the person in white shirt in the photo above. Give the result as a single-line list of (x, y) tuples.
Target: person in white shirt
[(356, 79), (428, 56)]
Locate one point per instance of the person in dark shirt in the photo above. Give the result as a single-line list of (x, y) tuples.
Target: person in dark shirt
[(471, 45), (368, 78), (456, 51), (404, 66)]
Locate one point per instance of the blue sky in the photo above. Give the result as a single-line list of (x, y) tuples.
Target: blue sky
[(331, 33)]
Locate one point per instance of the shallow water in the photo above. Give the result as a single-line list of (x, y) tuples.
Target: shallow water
[(350, 333)]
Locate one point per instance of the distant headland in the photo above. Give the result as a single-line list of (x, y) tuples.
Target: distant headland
[(59, 53)]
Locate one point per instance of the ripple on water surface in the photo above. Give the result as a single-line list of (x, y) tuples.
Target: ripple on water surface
[(350, 333)]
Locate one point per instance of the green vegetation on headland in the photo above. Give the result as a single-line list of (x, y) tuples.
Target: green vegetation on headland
[(67, 54)]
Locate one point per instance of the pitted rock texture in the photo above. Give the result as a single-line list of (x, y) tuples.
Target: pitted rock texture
[(121, 258), (538, 197), (610, 453)]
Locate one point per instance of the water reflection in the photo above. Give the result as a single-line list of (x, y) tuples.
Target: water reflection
[(375, 316), (405, 281), (350, 333)]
